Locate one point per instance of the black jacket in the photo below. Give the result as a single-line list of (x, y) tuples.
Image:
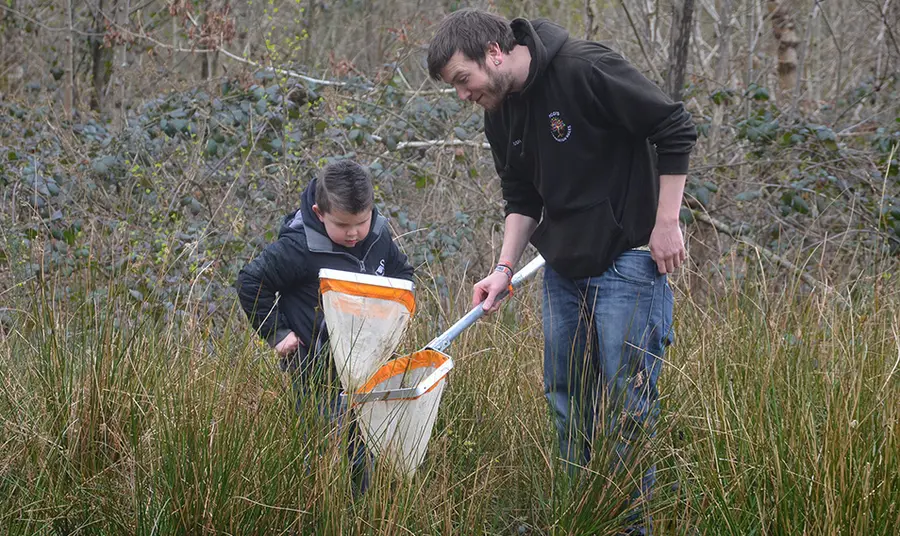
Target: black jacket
[(289, 267), (581, 148)]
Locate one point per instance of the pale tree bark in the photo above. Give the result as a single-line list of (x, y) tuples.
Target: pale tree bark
[(590, 16), (11, 72), (69, 86), (723, 72), (682, 17), (101, 58), (723, 41), (206, 60), (840, 54), (883, 62), (123, 7), (804, 51), (786, 38), (209, 60)]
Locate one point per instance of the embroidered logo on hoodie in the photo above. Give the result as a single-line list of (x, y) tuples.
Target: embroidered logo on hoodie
[(558, 128)]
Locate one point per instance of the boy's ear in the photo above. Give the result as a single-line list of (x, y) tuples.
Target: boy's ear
[(319, 213)]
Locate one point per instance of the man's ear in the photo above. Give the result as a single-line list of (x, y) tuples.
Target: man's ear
[(319, 213), (494, 54)]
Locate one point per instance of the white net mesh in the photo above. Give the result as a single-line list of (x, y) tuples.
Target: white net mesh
[(366, 318), (398, 431)]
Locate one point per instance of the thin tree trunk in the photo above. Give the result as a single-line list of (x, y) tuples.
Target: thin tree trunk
[(590, 15), (798, 88), (748, 15), (682, 17), (69, 91), (123, 7), (101, 59), (204, 57), (724, 43), (9, 41), (722, 73), (786, 37)]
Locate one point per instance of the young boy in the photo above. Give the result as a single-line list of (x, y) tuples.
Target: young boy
[(338, 227)]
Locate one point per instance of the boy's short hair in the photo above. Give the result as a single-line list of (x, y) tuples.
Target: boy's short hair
[(346, 186), (469, 31)]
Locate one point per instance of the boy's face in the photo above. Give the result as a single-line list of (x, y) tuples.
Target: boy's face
[(345, 228)]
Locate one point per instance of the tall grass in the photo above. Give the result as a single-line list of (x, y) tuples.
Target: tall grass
[(780, 416)]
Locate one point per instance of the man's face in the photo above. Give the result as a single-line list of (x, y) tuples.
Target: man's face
[(345, 228), (484, 85)]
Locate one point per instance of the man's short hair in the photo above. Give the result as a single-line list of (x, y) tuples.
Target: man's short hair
[(469, 31), (346, 186)]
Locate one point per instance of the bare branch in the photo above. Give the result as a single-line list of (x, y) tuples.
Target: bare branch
[(640, 41), (45, 27), (768, 254), (437, 143)]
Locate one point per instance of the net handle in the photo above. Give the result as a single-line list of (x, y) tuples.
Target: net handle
[(442, 341)]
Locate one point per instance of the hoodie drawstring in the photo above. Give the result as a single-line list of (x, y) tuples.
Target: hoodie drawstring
[(525, 127)]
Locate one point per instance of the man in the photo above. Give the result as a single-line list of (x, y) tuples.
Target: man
[(592, 159)]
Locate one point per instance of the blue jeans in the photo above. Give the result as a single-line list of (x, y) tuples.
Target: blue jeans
[(604, 339)]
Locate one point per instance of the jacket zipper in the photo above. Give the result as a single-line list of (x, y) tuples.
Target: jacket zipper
[(362, 263)]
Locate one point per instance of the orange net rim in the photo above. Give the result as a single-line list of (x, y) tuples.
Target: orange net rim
[(421, 359), (363, 290)]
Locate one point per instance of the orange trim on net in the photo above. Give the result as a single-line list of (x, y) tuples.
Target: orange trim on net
[(398, 295), (421, 359)]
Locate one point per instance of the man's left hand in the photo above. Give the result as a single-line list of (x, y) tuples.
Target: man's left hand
[(667, 246)]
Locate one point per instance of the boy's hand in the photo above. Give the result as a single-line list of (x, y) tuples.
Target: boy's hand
[(288, 345), (487, 289)]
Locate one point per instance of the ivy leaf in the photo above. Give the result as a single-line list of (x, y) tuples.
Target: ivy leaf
[(761, 94), (104, 164), (422, 180), (702, 195), (723, 96), (748, 195), (69, 236), (800, 205)]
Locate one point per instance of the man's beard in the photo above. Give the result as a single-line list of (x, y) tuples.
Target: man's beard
[(499, 86)]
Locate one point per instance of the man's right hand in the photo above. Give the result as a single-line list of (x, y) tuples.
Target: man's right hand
[(288, 345), (486, 291)]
